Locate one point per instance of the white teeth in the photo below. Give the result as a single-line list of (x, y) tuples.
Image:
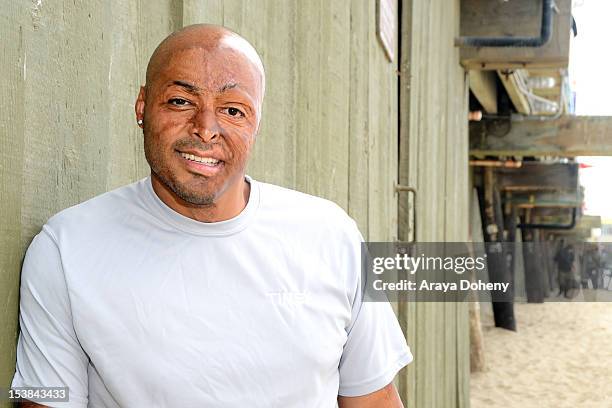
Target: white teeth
[(205, 160)]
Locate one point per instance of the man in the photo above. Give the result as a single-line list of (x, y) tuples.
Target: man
[(199, 286), (591, 267), (565, 265)]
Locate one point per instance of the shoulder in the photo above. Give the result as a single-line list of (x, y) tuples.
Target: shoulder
[(97, 212), (305, 209)]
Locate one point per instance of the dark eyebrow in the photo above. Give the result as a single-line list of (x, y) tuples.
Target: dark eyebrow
[(228, 86), (189, 87)]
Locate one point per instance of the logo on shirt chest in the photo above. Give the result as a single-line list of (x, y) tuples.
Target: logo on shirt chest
[(288, 299)]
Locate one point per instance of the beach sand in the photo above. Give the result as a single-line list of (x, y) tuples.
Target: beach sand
[(561, 356)]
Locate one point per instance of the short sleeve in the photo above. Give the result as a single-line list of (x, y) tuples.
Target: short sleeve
[(48, 351), (375, 349), (374, 352)]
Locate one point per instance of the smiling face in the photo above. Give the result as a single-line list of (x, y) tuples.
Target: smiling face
[(201, 108)]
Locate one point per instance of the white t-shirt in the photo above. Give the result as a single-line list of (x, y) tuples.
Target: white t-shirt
[(130, 304)]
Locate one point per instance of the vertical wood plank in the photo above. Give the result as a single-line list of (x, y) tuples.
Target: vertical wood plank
[(432, 150), (382, 134), (202, 11), (392, 165), (274, 156), (14, 22), (322, 118), (233, 14), (67, 119), (308, 66), (374, 136), (358, 179), (334, 103), (451, 180), (408, 164), (126, 161), (154, 22)]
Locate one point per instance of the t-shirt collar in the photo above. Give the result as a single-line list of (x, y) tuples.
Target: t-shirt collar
[(186, 224)]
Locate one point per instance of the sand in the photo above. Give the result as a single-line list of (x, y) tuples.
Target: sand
[(561, 356)]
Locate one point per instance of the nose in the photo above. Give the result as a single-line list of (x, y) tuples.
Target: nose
[(205, 125)]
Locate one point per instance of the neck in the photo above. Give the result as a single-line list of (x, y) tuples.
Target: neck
[(231, 202)]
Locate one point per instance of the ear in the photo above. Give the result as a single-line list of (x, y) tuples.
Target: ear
[(139, 106)]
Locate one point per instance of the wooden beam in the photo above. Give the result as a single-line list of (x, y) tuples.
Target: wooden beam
[(484, 88), (590, 221), (535, 278), (557, 199), (519, 100), (568, 136), (536, 176)]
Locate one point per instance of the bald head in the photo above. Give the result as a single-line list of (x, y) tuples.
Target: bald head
[(200, 112), (210, 38)]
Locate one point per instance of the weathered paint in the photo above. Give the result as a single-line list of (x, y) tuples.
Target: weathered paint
[(358, 113), (12, 20), (568, 136), (329, 128), (433, 151), (70, 75)]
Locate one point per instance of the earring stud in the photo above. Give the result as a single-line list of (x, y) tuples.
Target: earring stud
[(139, 121)]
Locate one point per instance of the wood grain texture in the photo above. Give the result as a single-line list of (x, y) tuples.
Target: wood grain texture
[(358, 179), (568, 136), (382, 140), (329, 128), (123, 84), (14, 23), (198, 12), (408, 147), (70, 76), (275, 155), (323, 89), (433, 147)]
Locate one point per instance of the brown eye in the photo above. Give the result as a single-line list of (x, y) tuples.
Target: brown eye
[(178, 102), (234, 112)]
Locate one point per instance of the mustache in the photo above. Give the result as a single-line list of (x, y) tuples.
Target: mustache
[(228, 147), (195, 144)]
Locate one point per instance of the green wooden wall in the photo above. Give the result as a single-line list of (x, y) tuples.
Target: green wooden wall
[(71, 72), (433, 159)]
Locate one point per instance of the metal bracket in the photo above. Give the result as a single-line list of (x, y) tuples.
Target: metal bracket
[(568, 226)]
